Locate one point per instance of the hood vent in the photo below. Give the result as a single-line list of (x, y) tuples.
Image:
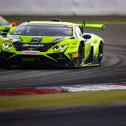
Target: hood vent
[(36, 40)]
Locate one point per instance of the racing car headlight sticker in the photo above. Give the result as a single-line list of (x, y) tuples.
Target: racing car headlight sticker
[(60, 47), (7, 44)]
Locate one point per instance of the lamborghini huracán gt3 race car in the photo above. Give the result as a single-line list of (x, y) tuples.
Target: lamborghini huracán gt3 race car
[(52, 43)]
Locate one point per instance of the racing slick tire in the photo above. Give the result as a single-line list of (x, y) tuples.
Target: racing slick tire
[(100, 55), (80, 59)]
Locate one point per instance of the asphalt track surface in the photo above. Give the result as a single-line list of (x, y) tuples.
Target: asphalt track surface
[(80, 116), (113, 69)]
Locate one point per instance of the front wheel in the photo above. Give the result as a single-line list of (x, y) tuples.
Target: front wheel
[(80, 59), (98, 59), (100, 55)]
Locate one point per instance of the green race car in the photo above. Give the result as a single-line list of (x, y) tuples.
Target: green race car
[(52, 43)]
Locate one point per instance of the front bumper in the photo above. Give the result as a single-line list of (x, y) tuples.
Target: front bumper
[(58, 59)]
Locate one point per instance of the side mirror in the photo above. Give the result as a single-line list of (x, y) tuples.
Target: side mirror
[(86, 36), (13, 24)]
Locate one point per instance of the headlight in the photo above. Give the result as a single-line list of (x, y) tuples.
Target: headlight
[(60, 47), (7, 44)]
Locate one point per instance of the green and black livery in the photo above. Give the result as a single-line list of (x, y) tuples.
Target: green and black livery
[(52, 43)]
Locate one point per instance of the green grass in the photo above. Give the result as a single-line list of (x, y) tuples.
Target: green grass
[(62, 100)]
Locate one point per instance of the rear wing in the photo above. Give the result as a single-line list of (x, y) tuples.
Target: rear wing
[(85, 25)]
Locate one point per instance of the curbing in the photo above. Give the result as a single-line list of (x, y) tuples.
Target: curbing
[(64, 89)]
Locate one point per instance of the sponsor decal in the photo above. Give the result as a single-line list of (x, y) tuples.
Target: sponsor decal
[(33, 45), (31, 52), (13, 37)]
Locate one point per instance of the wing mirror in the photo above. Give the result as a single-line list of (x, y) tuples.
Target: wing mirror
[(86, 36)]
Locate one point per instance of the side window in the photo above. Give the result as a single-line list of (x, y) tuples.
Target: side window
[(78, 32)]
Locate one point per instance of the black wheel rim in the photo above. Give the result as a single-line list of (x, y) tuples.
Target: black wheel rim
[(100, 57)]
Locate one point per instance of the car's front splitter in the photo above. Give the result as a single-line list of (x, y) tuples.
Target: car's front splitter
[(58, 59)]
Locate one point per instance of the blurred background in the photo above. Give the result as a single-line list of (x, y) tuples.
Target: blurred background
[(63, 7), (78, 9)]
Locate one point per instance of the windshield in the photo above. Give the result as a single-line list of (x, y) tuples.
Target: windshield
[(43, 30)]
